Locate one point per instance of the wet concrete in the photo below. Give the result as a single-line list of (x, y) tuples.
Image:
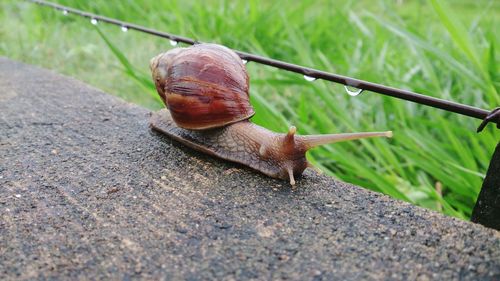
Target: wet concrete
[(88, 191)]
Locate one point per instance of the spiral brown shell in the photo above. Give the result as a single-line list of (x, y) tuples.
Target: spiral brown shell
[(204, 86)]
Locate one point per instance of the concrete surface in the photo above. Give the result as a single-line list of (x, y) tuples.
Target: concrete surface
[(88, 191)]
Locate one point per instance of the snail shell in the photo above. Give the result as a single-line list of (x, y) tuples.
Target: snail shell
[(204, 86)]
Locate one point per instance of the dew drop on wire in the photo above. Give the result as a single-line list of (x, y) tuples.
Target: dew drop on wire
[(124, 28), (93, 21), (173, 42), (65, 12), (352, 91), (309, 78)]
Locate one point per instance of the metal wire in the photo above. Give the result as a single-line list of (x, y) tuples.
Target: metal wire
[(467, 110)]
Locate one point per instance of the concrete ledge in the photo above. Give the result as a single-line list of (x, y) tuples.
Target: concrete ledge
[(88, 191)]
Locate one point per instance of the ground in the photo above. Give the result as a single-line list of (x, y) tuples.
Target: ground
[(88, 191)]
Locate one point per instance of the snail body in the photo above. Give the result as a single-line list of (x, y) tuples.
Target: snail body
[(205, 88)]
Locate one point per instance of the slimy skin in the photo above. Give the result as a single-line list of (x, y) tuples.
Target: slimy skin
[(277, 155)]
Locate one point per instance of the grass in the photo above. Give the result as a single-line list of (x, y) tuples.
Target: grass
[(436, 160)]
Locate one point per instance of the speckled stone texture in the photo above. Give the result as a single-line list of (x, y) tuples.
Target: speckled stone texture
[(88, 191)]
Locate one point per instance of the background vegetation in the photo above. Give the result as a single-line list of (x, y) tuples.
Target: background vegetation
[(443, 49)]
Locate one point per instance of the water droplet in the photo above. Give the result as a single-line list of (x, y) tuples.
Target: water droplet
[(309, 78), (124, 28), (65, 12), (352, 91), (244, 61), (173, 42), (93, 21)]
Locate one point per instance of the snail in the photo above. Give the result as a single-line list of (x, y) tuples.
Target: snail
[(206, 90)]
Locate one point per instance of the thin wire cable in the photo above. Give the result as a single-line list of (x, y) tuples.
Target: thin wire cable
[(455, 107)]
